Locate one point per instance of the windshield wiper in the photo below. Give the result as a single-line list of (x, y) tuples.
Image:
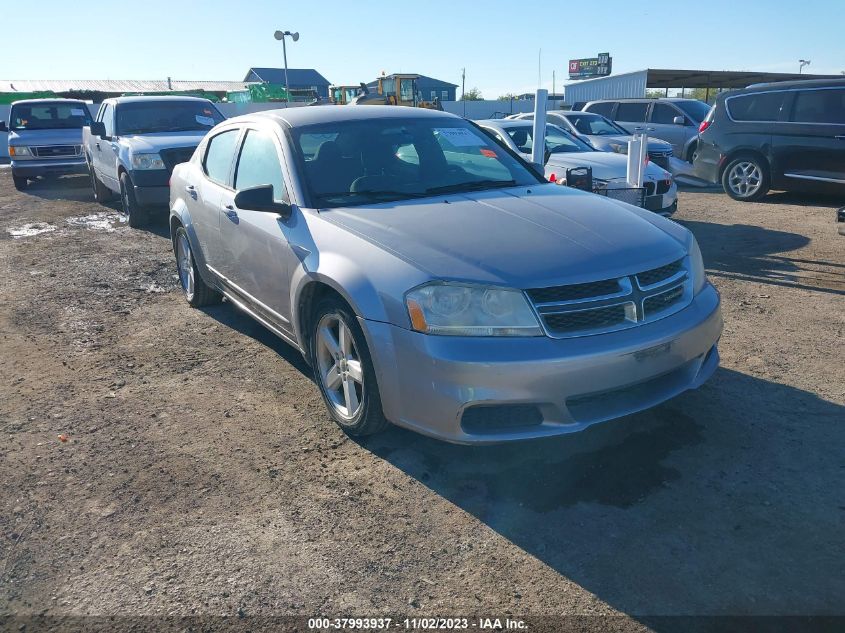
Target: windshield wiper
[(473, 185)]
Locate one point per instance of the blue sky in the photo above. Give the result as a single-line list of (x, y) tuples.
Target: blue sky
[(497, 41)]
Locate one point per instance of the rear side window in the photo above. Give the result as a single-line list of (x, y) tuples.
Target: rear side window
[(218, 157), (764, 106), (819, 106), (605, 108), (633, 112), (259, 165)]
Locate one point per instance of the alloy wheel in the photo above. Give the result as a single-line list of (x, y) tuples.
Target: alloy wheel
[(339, 366), (745, 179), (184, 264)]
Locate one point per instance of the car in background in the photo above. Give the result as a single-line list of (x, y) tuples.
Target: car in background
[(604, 135), (134, 143), (675, 120), (840, 220), (45, 138), (787, 135), (565, 151), (433, 279)]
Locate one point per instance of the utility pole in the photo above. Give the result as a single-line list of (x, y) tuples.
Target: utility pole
[(280, 35), (540, 68), (464, 89), (554, 84), (802, 63)]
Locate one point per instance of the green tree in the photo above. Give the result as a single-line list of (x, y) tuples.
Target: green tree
[(473, 94), (507, 97), (655, 94)]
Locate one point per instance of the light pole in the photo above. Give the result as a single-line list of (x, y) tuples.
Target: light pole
[(802, 63), (280, 35)]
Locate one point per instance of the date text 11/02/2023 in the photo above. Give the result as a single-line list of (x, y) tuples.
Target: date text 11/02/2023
[(416, 624)]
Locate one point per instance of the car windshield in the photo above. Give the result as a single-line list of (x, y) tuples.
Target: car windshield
[(351, 163), (557, 141), (697, 110), (166, 116), (593, 124), (49, 116)]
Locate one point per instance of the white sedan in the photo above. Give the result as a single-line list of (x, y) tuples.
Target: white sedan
[(609, 170)]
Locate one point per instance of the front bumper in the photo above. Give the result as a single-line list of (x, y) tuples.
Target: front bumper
[(151, 186), (664, 204), (428, 382), (33, 168)]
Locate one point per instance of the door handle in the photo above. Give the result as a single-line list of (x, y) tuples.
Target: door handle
[(97, 145), (231, 213), (192, 191)]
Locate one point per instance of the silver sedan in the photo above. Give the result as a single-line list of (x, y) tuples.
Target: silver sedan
[(433, 279)]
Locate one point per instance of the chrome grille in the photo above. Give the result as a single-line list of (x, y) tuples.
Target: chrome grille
[(613, 304), (56, 151)]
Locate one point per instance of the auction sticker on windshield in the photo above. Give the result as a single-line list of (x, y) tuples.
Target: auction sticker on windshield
[(460, 136)]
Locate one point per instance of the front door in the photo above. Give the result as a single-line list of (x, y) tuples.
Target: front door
[(258, 259), (810, 148), (662, 125)]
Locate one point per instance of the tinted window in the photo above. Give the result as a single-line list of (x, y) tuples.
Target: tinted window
[(696, 110), (259, 165), (146, 117), (218, 158), (662, 113), (819, 106), (756, 107), (604, 109), (48, 116), (633, 112)]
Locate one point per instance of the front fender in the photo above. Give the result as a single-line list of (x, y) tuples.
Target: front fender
[(181, 215)]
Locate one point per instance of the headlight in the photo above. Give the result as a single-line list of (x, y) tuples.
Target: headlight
[(147, 161), (619, 148), (697, 265), (19, 150), (456, 310)]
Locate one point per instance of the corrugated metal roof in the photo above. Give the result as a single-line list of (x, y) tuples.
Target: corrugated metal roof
[(296, 76), (116, 85)]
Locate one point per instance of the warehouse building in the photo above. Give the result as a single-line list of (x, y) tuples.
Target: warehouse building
[(299, 79)]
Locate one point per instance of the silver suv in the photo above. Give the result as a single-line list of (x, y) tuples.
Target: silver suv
[(674, 120), (433, 278)]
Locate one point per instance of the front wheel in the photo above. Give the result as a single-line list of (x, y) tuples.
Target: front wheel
[(20, 182), (102, 194), (197, 292), (344, 369), (746, 178), (134, 212)]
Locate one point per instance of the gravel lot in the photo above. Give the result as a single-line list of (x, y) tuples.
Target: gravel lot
[(202, 476)]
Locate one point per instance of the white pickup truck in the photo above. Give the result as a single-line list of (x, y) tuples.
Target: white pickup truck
[(134, 143)]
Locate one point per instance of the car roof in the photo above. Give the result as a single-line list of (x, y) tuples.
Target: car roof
[(647, 99), (56, 100), (148, 98), (302, 116), (792, 85)]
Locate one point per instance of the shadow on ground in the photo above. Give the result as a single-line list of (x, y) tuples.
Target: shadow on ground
[(753, 253), (726, 500)]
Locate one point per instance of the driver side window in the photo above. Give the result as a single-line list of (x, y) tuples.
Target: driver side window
[(259, 165)]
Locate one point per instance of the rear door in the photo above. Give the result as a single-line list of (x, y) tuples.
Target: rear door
[(632, 115), (209, 192), (811, 146), (258, 259), (662, 125)]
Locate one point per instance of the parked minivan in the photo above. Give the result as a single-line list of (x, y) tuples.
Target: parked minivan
[(674, 120), (787, 136), (45, 138)]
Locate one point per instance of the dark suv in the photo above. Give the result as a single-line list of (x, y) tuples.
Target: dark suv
[(787, 136)]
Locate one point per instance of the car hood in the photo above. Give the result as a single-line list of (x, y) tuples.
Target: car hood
[(517, 237), (46, 137), (605, 165), (162, 140), (604, 142)]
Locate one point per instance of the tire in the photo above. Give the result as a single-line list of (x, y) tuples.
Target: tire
[(20, 182), (197, 292), (691, 152), (746, 178), (102, 194), (135, 213), (333, 353)]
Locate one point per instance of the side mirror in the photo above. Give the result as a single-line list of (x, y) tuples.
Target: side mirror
[(538, 169), (3, 127), (679, 120), (261, 199), (98, 128)]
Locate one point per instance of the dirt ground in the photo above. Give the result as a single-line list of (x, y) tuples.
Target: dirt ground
[(202, 476)]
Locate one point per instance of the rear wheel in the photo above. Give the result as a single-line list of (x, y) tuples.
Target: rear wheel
[(746, 178), (197, 292), (136, 214), (344, 369), (102, 194), (20, 182)]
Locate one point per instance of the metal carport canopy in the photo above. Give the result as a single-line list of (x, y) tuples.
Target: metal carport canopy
[(670, 78)]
